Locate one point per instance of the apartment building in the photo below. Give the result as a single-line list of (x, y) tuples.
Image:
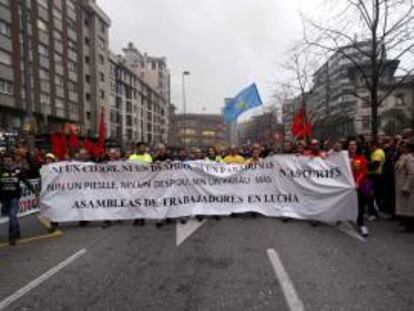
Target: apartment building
[(339, 105), (50, 85), (94, 32), (153, 70), (137, 111), (199, 130)]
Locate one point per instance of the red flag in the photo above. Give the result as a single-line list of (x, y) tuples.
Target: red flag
[(88, 145), (73, 140), (301, 128), (58, 142), (100, 146)]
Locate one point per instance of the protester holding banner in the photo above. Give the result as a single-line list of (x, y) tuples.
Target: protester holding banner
[(375, 172), (300, 147), (256, 155), (112, 155), (212, 155), (11, 175), (83, 156), (50, 158), (359, 171), (143, 157), (142, 154), (233, 157)]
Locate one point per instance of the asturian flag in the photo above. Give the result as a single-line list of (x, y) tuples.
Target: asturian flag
[(247, 99)]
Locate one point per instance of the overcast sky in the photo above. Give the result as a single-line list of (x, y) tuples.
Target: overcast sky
[(225, 44)]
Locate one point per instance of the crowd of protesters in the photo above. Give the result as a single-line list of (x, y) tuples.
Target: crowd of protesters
[(383, 170)]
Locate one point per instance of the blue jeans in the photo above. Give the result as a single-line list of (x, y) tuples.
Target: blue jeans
[(11, 208)]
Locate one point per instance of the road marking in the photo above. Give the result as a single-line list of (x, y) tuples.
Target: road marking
[(350, 230), (184, 231), (292, 299), (36, 282), (55, 234), (44, 221)]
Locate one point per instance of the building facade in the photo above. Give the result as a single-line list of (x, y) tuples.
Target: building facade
[(153, 70), (339, 105), (199, 130), (45, 77), (264, 129), (137, 112), (94, 33)]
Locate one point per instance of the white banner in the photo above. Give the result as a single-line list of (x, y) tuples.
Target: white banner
[(27, 204), (282, 185)]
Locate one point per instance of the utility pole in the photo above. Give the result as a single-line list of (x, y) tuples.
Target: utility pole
[(185, 73)]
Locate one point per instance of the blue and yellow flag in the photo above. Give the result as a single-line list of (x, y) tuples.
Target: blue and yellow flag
[(247, 99)]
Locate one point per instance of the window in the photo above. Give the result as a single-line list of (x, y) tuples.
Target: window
[(71, 86), (44, 99), (129, 107), (4, 28), (58, 58), (43, 50), (208, 133), (57, 14), (6, 87), (57, 36), (43, 74), (366, 103), (88, 115), (43, 3), (72, 44), (88, 78), (87, 41), (59, 103), (42, 25), (129, 120), (113, 116), (102, 77), (88, 96), (87, 59), (102, 94), (154, 65), (86, 21), (103, 27), (101, 59), (101, 44), (59, 80), (366, 122), (71, 66), (5, 58), (70, 5)]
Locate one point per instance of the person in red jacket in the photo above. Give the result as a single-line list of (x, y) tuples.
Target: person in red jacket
[(359, 166)]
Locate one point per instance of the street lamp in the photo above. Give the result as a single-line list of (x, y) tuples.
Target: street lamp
[(185, 73)]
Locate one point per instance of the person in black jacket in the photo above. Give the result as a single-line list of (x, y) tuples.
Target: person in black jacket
[(10, 192)]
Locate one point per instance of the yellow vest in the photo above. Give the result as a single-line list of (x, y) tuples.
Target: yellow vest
[(143, 158), (378, 156), (237, 159)]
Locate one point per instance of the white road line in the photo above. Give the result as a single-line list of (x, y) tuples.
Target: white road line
[(184, 231), (292, 299), (350, 230), (24, 290)]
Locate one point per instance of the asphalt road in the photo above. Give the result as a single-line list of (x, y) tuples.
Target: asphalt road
[(223, 265)]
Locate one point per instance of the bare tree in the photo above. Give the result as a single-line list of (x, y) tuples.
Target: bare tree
[(383, 25), (296, 80)]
